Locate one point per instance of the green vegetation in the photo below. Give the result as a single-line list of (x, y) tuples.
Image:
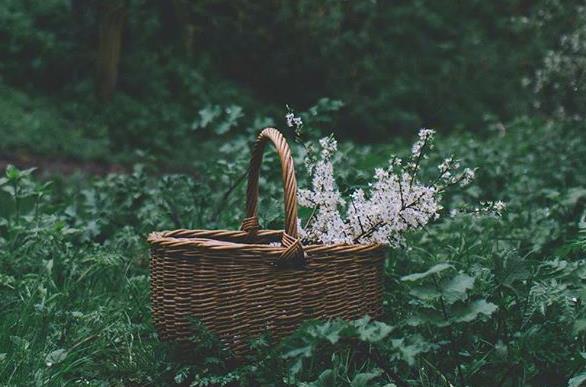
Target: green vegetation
[(471, 301)]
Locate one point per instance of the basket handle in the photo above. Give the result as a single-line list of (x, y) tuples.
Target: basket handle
[(290, 240)]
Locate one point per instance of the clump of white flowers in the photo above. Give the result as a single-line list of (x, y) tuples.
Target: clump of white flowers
[(393, 203), (293, 121)]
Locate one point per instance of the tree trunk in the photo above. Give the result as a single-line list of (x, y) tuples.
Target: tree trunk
[(112, 18), (182, 13)]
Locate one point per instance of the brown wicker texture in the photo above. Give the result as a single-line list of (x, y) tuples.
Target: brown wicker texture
[(241, 284)]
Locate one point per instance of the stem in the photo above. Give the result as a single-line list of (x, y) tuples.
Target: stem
[(369, 232), (313, 212), (221, 204), (450, 331), (419, 157), (16, 201), (446, 379)]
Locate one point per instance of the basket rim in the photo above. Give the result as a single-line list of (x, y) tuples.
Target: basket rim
[(216, 240)]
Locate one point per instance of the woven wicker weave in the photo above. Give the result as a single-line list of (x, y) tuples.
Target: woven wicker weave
[(241, 284)]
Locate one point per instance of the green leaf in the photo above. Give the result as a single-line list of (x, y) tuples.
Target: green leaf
[(433, 270), (55, 357), (374, 331), (295, 368), (2, 356), (579, 325), (362, 379), (304, 351), (574, 195), (326, 378), (207, 115), (471, 311), (12, 173), (234, 112), (455, 289), (10, 190), (425, 292), (329, 331), (578, 380), (412, 346), (427, 316)]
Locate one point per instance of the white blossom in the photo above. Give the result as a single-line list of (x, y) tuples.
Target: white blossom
[(293, 121), (467, 176), (425, 137), (393, 203)]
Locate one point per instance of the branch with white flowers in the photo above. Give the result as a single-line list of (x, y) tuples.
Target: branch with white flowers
[(395, 202)]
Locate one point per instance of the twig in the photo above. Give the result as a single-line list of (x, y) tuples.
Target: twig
[(221, 205)]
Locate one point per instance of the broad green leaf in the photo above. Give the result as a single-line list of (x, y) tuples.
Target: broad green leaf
[(329, 331), (471, 311), (427, 316), (578, 380), (362, 379), (412, 346), (9, 189), (425, 292), (55, 357), (433, 270), (456, 288), (374, 331)]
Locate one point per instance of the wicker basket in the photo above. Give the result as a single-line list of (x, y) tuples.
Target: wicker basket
[(242, 283)]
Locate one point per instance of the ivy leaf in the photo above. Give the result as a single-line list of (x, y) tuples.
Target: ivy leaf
[(455, 289), (433, 270), (471, 311), (362, 379)]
